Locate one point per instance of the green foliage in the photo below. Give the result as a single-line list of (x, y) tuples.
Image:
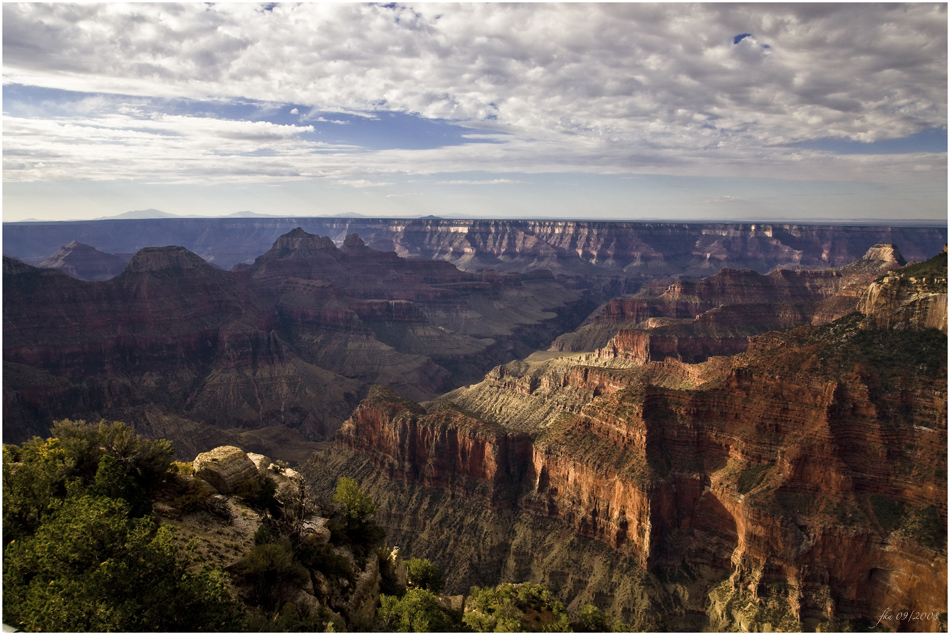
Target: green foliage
[(935, 268), (193, 494), (418, 611), (263, 535), (591, 619), (358, 529), (37, 475), (292, 618), (325, 559), (113, 481), (355, 502), (423, 574), (183, 468), (515, 608), (268, 572), (147, 461), (90, 567)]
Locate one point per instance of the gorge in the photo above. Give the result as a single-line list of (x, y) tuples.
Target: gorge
[(693, 427)]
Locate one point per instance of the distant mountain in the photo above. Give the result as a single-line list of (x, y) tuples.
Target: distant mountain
[(141, 214), (248, 214)]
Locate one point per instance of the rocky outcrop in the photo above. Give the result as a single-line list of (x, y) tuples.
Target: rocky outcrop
[(914, 297), (226, 468), (85, 262)]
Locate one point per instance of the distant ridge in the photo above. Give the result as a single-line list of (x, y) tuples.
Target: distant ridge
[(140, 215), (248, 214)]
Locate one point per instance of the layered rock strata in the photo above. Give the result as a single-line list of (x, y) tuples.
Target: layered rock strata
[(691, 320), (798, 485), (575, 249), (290, 342)]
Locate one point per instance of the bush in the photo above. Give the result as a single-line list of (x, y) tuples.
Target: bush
[(90, 567), (356, 504), (183, 468), (515, 608), (423, 574), (360, 531), (418, 611), (591, 619), (259, 494), (268, 572)]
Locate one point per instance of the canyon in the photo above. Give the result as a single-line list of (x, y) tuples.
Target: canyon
[(277, 353), (694, 427), (799, 484), (613, 257)]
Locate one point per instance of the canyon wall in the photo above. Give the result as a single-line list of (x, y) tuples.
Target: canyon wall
[(579, 250), (798, 485), (290, 342)]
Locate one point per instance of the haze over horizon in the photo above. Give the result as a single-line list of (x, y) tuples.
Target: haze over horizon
[(614, 111)]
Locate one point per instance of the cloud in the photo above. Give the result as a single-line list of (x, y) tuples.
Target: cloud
[(608, 88), (360, 183), (483, 182)]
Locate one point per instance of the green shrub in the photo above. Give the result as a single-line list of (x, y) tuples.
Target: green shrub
[(183, 468), (357, 527), (423, 574), (591, 619), (268, 572), (325, 559), (515, 608), (259, 494), (418, 611), (90, 567)]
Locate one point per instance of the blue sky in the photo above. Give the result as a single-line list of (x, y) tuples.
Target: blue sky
[(719, 112)]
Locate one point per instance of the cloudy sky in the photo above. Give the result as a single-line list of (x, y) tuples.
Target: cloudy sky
[(628, 111)]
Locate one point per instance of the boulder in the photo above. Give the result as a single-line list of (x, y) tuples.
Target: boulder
[(315, 531), (225, 468)]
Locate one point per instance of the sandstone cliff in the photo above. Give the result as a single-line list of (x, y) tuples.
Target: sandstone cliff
[(798, 485), (914, 297)]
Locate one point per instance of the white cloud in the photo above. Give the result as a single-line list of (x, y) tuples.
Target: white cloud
[(608, 88)]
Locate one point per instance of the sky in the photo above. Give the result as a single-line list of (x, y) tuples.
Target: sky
[(757, 112)]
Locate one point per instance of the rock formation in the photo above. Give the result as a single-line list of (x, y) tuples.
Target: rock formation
[(226, 468), (691, 320), (914, 297), (581, 250), (85, 262), (800, 484), (204, 356)]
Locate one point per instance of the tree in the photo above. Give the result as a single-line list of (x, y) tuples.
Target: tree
[(423, 574), (361, 530), (418, 611), (90, 567), (356, 503), (591, 619)]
